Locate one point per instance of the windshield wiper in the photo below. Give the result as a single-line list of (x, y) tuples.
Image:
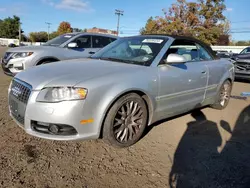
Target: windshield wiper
[(119, 60)]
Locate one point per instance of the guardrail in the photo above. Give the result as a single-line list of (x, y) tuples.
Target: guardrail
[(234, 49)]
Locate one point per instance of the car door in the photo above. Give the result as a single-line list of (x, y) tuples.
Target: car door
[(182, 86), (82, 49), (216, 69)]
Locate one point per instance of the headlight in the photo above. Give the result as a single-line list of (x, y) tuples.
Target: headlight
[(21, 54), (58, 94), (232, 60)]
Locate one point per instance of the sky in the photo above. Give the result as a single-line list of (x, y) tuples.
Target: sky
[(101, 13)]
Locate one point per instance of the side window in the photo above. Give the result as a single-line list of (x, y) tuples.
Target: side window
[(112, 39), (100, 42), (203, 54), (83, 42), (186, 48)]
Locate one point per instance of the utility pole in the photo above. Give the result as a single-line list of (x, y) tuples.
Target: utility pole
[(19, 31), (118, 13), (48, 28)]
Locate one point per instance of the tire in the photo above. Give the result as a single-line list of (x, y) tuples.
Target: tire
[(45, 62), (126, 121), (223, 97)]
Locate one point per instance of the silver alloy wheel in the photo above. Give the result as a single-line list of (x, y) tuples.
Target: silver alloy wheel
[(225, 94), (128, 121)]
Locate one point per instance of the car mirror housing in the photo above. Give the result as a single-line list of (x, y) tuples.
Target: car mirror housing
[(72, 45), (175, 58)]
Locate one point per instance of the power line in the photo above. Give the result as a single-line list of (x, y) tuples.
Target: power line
[(241, 31), (241, 28), (118, 13), (48, 27), (244, 21)]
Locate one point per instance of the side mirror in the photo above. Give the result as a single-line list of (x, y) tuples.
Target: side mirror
[(72, 45), (175, 58)]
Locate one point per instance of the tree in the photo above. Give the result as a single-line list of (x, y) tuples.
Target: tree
[(203, 19), (223, 40), (242, 43), (64, 27), (24, 38), (53, 35), (151, 27), (76, 30), (9, 27), (41, 36)]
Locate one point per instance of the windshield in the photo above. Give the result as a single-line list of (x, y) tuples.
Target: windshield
[(246, 50), (132, 50), (59, 40)]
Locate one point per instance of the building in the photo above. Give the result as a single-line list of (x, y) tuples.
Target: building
[(100, 30)]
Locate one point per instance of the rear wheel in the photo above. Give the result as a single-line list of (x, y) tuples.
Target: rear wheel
[(125, 121), (223, 96)]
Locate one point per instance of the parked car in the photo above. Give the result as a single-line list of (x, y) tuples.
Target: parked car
[(64, 47), (131, 83), (223, 54), (12, 45), (242, 64)]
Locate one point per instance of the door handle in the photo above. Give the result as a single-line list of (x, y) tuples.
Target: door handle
[(204, 72), (91, 52)]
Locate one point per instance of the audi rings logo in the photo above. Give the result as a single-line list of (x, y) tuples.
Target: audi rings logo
[(16, 91)]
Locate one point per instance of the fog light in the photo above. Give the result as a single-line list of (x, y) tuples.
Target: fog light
[(54, 129), (20, 67)]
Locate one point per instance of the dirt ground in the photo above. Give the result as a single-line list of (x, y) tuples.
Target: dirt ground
[(206, 148)]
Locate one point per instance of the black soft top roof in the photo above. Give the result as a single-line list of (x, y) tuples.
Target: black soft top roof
[(178, 37)]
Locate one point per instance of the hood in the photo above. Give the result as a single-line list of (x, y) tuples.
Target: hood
[(71, 72), (30, 48), (242, 56)]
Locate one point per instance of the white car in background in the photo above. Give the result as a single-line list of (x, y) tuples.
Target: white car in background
[(63, 47)]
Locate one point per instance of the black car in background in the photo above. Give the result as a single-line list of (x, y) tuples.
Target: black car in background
[(242, 64), (11, 45), (222, 53)]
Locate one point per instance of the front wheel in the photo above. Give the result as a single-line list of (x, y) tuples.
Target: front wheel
[(45, 62), (126, 121), (223, 96)]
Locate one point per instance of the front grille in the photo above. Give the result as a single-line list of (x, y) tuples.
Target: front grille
[(18, 98), (20, 91), (6, 70), (242, 66), (6, 58), (6, 55), (19, 118)]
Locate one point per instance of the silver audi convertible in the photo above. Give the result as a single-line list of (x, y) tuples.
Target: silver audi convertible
[(116, 93)]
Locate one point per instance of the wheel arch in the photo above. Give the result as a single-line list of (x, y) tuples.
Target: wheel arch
[(46, 59), (228, 75), (148, 101)]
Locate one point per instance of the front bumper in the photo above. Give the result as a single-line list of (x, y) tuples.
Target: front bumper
[(69, 113), (13, 66), (7, 70), (242, 75)]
